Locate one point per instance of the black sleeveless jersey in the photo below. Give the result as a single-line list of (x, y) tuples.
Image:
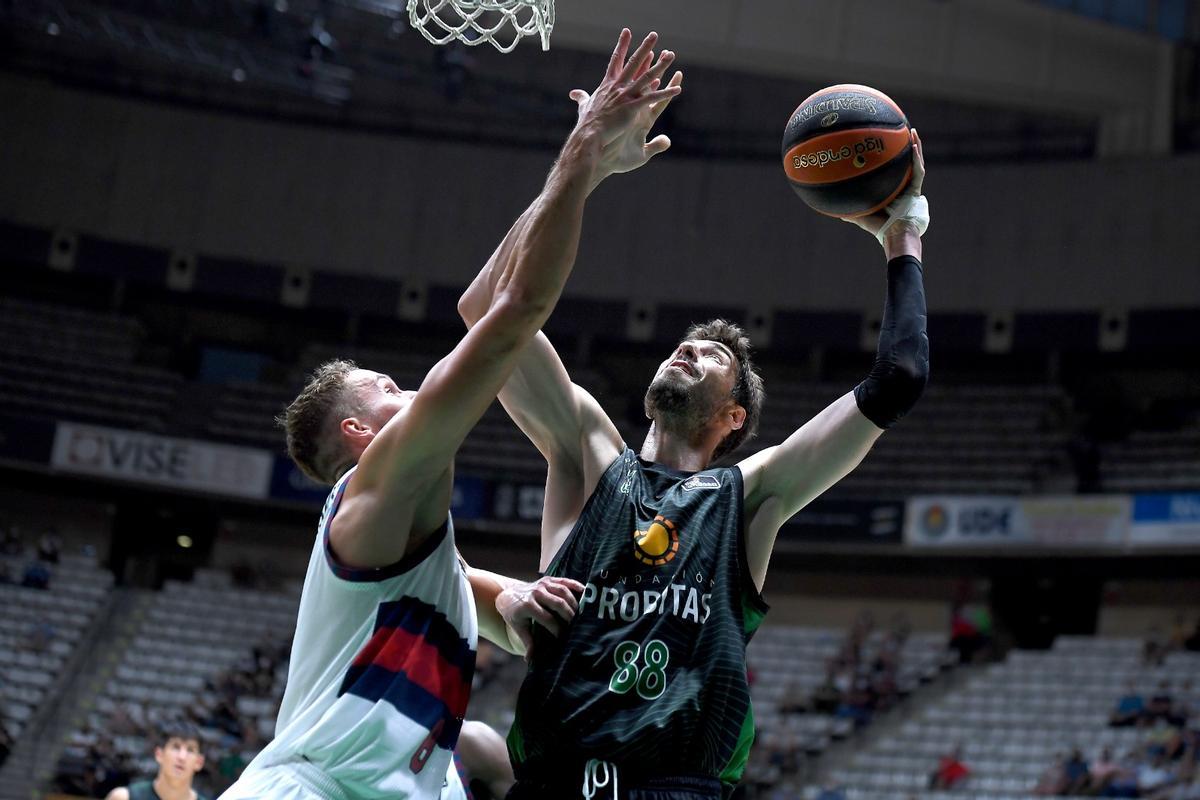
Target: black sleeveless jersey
[(651, 673)]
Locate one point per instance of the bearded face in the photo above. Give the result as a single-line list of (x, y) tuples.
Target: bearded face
[(691, 385), (670, 396)]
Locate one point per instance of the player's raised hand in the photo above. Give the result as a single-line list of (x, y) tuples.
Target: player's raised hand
[(632, 149), (908, 212), (549, 602), (628, 99)]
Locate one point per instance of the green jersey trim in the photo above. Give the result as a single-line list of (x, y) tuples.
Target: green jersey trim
[(516, 742), (741, 752), (754, 610)]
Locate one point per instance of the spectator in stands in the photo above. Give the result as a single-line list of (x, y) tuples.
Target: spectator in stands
[(1154, 776), (179, 759), (827, 697), (1102, 770), (1161, 703), (36, 576), (1076, 775), (48, 546), (1130, 708), (1154, 647), (1160, 740), (107, 769), (858, 704), (1180, 746), (1182, 710), (1053, 780), (785, 756), (857, 636), (969, 631), (1179, 633), (885, 670), (1192, 643), (1123, 782), (951, 771)]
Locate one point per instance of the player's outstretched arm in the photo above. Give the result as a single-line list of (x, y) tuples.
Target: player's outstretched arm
[(563, 420), (508, 608), (389, 496), (781, 480)]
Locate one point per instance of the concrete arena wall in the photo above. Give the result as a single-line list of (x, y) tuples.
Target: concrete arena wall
[(1023, 237)]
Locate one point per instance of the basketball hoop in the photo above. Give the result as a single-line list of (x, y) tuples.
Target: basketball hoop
[(473, 22)]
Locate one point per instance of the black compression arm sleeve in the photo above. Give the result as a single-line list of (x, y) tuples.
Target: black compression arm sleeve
[(901, 367)]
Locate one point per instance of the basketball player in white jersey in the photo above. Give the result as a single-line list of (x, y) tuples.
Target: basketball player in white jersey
[(386, 634)]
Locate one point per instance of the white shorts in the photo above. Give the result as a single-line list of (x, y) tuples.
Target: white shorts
[(303, 781)]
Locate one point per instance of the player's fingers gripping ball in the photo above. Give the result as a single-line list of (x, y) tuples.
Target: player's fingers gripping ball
[(847, 151)]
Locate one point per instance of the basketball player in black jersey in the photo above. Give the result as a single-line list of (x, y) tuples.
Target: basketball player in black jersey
[(179, 759), (645, 694)]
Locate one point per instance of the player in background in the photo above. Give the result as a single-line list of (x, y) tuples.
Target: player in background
[(385, 641), (179, 759), (645, 694)]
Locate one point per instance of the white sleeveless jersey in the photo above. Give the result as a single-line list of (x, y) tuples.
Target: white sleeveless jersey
[(380, 671)]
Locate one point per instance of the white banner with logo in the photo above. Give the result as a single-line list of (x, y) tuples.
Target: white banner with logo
[(162, 460), (997, 521)]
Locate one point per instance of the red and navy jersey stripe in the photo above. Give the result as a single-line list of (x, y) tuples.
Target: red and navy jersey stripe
[(463, 775), (417, 661)]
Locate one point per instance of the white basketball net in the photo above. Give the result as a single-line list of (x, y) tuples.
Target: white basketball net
[(472, 22)]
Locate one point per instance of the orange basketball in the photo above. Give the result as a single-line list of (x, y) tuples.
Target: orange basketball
[(847, 150)]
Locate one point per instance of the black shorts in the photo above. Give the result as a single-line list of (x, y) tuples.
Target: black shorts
[(665, 788)]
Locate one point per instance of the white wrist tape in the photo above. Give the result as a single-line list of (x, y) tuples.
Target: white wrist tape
[(907, 208)]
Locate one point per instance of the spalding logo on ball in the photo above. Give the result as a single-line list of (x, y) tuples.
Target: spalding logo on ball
[(847, 150)]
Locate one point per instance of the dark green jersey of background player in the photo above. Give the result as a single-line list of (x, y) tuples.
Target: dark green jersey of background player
[(651, 673), (144, 790)]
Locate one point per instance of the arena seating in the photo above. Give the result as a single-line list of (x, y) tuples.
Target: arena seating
[(959, 439), (1012, 720), (1149, 461), (990, 439), (40, 628), (63, 362), (788, 659), (60, 362), (244, 413), (171, 669)]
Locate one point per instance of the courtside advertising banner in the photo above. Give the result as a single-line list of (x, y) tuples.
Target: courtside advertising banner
[(162, 460), (998, 521), (1166, 519)]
